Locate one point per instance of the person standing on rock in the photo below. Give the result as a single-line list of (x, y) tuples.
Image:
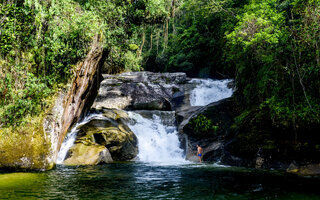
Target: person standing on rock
[(200, 152)]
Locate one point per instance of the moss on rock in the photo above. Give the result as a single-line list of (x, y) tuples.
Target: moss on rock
[(26, 147), (111, 132), (81, 154)]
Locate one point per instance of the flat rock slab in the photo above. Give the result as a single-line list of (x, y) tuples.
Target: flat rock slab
[(139, 91)]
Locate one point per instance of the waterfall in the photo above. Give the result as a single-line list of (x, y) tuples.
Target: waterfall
[(208, 91), (157, 140), (156, 131), (71, 137), (66, 145)]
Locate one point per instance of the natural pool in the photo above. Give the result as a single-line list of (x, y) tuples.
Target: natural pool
[(135, 180)]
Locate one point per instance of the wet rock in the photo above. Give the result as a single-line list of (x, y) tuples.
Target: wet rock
[(139, 91), (112, 133), (81, 154), (229, 159), (306, 170), (167, 117), (293, 168), (180, 101), (212, 150), (259, 162), (232, 84), (219, 114)]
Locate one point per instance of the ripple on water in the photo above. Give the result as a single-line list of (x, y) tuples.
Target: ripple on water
[(137, 180)]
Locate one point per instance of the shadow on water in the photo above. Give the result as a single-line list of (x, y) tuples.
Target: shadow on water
[(134, 180)]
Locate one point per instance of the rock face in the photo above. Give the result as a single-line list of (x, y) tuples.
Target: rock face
[(81, 154), (109, 132), (261, 142), (139, 91), (131, 91), (219, 115)]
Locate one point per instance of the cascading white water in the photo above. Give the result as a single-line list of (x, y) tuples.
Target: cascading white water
[(66, 145), (209, 91), (157, 142), (71, 137)]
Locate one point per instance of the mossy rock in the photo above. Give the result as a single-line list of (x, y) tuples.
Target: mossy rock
[(116, 114), (81, 154), (26, 148), (213, 120), (112, 133)]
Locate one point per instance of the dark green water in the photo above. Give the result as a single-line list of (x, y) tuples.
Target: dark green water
[(142, 181)]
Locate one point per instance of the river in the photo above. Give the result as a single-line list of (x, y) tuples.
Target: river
[(136, 180)]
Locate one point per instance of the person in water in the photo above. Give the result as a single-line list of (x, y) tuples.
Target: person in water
[(200, 152)]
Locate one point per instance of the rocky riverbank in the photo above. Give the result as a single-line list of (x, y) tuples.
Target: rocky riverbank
[(35, 146), (214, 126)]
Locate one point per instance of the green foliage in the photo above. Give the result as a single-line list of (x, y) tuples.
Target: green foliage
[(133, 47), (276, 69), (270, 47), (201, 125), (42, 41), (259, 27), (18, 103), (15, 28), (132, 62), (196, 40), (149, 12), (69, 35)]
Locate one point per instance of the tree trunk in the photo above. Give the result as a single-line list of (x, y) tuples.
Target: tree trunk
[(83, 91), (158, 38), (151, 38), (165, 34), (142, 44), (173, 14)]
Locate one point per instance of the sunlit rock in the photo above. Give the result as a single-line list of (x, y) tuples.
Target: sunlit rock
[(81, 154), (111, 132)]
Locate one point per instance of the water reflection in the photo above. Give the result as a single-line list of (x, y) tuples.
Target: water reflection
[(134, 180), (157, 181), (14, 185)]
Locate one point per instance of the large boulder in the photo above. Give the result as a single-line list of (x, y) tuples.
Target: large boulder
[(207, 126), (139, 91), (81, 154), (111, 132)]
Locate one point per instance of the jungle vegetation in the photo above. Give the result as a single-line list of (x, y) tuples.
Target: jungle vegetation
[(270, 47)]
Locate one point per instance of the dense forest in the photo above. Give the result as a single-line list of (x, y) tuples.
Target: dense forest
[(270, 47)]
